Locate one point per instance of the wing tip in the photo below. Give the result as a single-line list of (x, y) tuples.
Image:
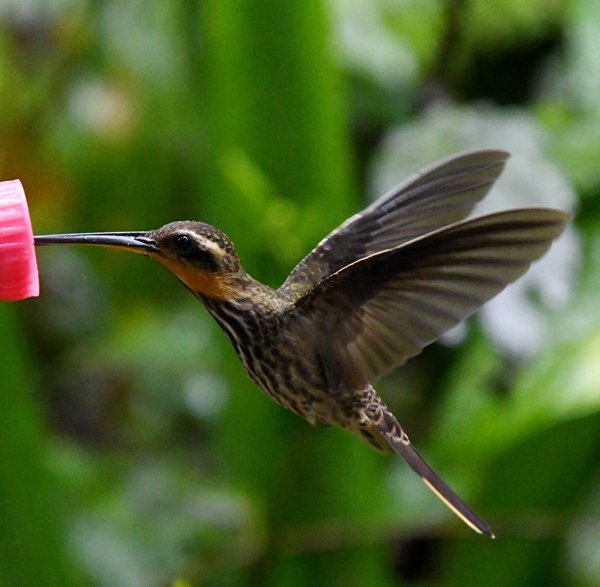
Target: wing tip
[(552, 218), (482, 157)]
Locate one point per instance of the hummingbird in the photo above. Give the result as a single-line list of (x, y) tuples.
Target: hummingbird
[(373, 293)]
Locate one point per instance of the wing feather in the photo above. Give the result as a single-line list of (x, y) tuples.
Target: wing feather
[(439, 195), (383, 309)]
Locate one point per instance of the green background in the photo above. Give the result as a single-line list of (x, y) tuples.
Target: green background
[(133, 450)]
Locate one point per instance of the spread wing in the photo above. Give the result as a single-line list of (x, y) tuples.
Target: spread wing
[(381, 310), (436, 196)]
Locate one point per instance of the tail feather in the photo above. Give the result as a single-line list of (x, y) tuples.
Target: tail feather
[(396, 438)]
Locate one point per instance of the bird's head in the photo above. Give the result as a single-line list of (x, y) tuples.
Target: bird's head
[(199, 255)]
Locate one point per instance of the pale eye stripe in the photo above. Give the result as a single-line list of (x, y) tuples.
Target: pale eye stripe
[(209, 245), (205, 243)]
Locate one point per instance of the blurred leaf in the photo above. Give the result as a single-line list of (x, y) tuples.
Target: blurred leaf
[(560, 386), (161, 520), (569, 97), (509, 21), (534, 488), (583, 540), (392, 61), (31, 538)]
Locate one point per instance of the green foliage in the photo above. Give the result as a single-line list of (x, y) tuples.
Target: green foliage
[(133, 449), (31, 539)]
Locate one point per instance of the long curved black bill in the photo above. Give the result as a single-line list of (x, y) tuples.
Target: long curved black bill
[(136, 242)]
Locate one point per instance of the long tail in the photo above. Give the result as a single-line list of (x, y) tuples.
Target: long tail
[(391, 431)]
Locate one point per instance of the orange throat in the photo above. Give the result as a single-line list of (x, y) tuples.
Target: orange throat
[(203, 282)]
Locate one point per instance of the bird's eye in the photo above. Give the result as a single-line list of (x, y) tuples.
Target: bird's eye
[(184, 243), (189, 249)]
